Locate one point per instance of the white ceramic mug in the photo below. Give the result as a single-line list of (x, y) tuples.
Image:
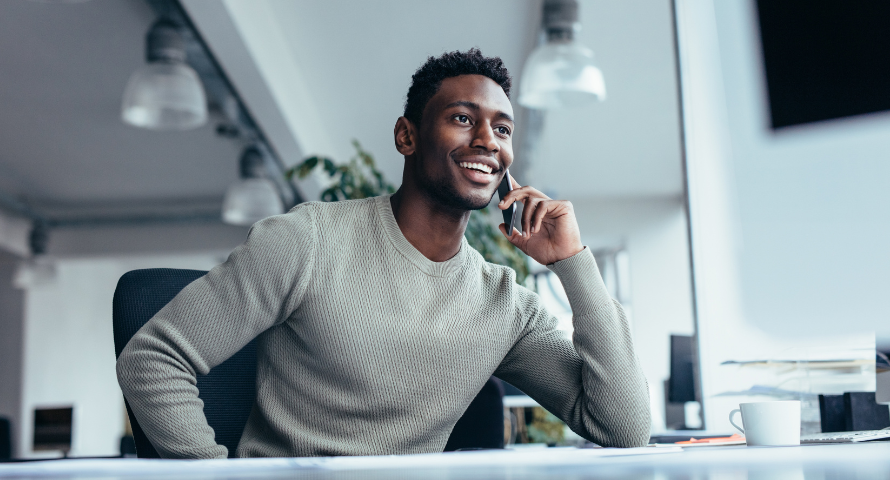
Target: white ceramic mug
[(769, 423)]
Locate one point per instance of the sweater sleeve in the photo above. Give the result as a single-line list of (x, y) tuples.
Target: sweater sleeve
[(211, 319), (593, 382)]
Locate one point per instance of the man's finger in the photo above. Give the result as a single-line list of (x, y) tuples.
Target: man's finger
[(530, 206), (511, 238), (515, 195), (520, 194), (538, 216)]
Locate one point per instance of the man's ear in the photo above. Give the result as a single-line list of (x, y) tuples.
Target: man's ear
[(405, 135)]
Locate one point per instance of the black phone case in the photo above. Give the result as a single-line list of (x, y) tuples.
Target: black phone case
[(503, 189)]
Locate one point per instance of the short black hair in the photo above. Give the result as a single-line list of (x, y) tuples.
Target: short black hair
[(428, 78)]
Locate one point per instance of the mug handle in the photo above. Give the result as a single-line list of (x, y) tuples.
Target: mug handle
[(733, 423)]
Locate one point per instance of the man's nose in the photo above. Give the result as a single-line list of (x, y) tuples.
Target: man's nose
[(484, 138)]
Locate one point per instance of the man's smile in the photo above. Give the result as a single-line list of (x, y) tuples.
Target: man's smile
[(479, 168)]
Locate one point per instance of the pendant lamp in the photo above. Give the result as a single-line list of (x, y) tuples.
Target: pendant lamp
[(165, 93), (560, 72), (254, 197), (37, 269)]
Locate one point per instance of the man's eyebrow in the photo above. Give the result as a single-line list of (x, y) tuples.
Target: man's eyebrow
[(463, 103), (505, 116), (475, 106)]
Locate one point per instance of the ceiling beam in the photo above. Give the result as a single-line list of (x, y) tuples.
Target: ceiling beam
[(246, 40), (16, 215)]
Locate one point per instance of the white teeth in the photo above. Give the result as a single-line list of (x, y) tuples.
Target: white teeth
[(476, 166)]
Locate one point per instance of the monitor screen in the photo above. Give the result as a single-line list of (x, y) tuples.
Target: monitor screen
[(825, 59)]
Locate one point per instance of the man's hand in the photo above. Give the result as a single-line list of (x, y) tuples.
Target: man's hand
[(550, 230)]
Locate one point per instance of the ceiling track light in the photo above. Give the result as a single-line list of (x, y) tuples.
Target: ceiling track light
[(165, 93), (38, 269), (253, 197), (560, 72)]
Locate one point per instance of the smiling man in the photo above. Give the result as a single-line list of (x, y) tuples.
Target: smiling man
[(377, 323)]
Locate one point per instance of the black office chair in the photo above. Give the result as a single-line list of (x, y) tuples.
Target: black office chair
[(229, 389), (482, 425)]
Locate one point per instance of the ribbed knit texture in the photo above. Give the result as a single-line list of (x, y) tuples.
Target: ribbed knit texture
[(367, 347)]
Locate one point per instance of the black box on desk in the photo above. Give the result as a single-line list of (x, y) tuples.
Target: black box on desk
[(852, 412), (831, 413), (861, 412)]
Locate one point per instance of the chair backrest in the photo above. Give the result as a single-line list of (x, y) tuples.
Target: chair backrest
[(482, 425), (228, 391)]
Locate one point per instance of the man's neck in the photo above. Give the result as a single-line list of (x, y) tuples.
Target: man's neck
[(432, 229)]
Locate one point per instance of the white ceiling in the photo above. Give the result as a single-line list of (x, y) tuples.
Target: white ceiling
[(63, 68)]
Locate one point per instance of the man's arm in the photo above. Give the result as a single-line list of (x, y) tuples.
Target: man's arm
[(596, 385), (259, 286)]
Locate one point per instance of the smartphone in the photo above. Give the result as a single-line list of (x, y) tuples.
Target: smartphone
[(504, 188)]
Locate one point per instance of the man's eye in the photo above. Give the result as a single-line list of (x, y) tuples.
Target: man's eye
[(503, 130), (463, 119)]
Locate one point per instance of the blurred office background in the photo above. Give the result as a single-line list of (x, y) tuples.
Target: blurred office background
[(86, 197)]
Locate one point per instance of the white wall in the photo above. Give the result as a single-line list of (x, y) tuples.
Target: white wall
[(813, 201), (778, 219), (68, 348), (654, 233)]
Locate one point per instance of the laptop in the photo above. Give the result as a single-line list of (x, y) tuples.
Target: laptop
[(846, 437)]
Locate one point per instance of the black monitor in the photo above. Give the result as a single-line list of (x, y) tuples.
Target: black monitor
[(52, 429), (825, 59), (681, 383)]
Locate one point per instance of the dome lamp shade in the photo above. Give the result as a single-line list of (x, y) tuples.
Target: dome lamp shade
[(254, 197), (38, 269), (165, 93), (560, 72)]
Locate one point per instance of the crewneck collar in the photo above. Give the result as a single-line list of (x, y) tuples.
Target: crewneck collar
[(395, 235)]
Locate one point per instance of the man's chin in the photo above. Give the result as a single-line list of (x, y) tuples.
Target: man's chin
[(472, 200), (461, 201), (477, 204)]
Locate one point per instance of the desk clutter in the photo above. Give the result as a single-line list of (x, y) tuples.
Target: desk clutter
[(853, 417), (852, 411), (701, 441)]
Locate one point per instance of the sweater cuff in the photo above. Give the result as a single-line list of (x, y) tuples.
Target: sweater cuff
[(582, 282)]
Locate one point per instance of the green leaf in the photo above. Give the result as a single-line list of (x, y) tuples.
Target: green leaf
[(306, 167), (330, 167)]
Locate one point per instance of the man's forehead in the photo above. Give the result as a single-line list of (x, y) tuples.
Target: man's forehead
[(476, 89)]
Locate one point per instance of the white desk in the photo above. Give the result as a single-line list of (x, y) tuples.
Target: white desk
[(861, 461)]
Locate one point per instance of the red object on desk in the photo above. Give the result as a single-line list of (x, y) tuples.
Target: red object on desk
[(735, 437)]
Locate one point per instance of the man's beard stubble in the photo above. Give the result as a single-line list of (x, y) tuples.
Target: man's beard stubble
[(448, 196)]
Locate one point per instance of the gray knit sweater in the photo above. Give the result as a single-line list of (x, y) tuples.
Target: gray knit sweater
[(367, 347)]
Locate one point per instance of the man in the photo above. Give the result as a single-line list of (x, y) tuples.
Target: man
[(377, 323)]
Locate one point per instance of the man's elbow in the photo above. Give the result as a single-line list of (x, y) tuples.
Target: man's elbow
[(126, 377), (638, 429), (638, 438), (630, 433)]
